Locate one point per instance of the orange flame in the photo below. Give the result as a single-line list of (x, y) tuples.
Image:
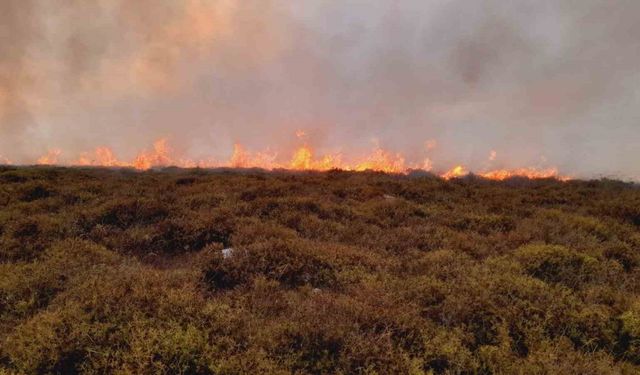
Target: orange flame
[(384, 161), (427, 165), (159, 156), (50, 158), (241, 158), (303, 158), (102, 156), (455, 172), (503, 174)]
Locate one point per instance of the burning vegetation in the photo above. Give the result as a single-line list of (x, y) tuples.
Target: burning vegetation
[(303, 158), (229, 272)]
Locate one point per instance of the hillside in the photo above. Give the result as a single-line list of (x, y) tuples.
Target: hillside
[(228, 272)]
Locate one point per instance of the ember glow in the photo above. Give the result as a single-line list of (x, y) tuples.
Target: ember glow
[(302, 158)]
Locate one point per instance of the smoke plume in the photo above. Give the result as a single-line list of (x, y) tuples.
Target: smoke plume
[(486, 84)]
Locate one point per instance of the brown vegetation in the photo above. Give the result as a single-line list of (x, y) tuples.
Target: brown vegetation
[(114, 271)]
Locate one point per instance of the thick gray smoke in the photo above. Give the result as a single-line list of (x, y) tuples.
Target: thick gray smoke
[(541, 82)]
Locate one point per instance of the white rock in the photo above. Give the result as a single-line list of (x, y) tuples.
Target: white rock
[(227, 253)]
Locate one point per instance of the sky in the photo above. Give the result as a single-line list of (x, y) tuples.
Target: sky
[(486, 84)]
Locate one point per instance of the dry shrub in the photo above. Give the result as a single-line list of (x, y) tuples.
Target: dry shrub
[(630, 340), (558, 264), (117, 271), (291, 262)]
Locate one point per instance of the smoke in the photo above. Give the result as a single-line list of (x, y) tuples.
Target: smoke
[(539, 82)]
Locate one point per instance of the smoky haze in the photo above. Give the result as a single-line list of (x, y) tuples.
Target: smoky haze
[(541, 83)]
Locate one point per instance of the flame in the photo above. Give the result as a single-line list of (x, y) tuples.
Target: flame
[(50, 158), (427, 165), (384, 161), (455, 172), (330, 162), (102, 156), (241, 158), (159, 156), (302, 159), (503, 174)]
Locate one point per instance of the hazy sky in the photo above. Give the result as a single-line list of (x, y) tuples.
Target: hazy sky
[(540, 82)]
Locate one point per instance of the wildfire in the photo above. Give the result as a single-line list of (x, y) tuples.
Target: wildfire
[(384, 161), (503, 174), (455, 172), (156, 157), (303, 158), (427, 165), (102, 157), (242, 158), (50, 158)]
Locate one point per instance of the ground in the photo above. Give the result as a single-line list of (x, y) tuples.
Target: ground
[(228, 272)]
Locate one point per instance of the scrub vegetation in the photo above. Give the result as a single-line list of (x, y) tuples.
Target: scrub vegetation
[(116, 271)]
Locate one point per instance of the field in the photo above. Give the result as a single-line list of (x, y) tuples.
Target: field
[(117, 271)]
